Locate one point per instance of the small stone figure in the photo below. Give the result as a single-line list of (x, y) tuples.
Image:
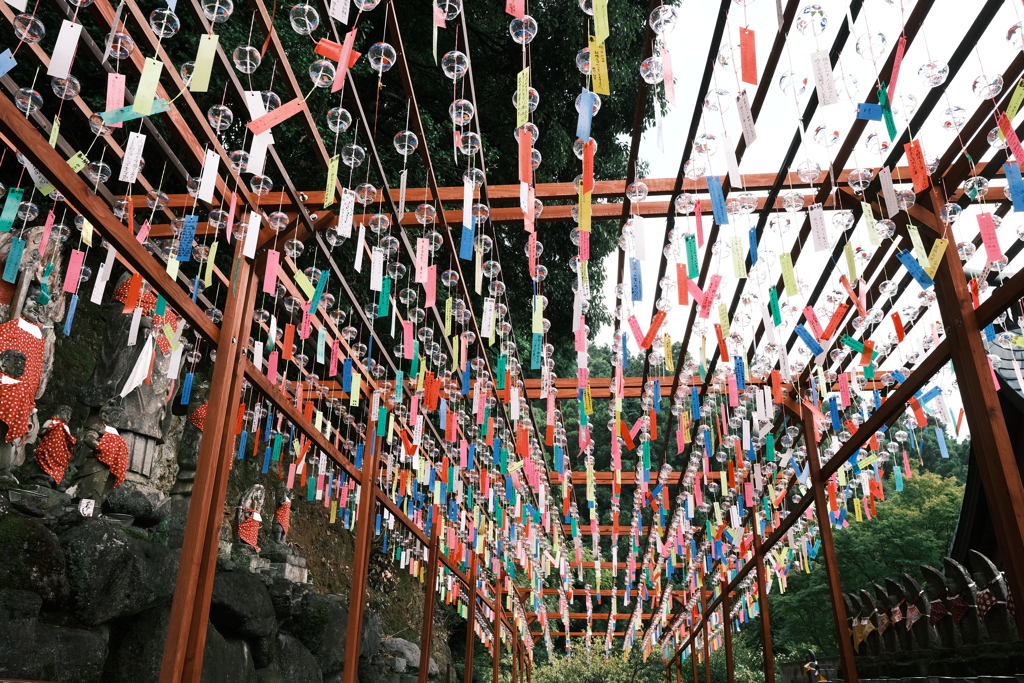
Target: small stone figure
[(249, 515), (103, 455), (993, 599), (21, 368), (56, 445), (918, 619), (935, 590), (961, 593), (282, 518)]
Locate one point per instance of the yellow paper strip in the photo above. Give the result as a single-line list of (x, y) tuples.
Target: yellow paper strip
[(523, 97), (54, 132), (354, 394), (208, 278), (200, 81), (332, 180), (601, 20), (304, 284), (599, 68), (935, 256), (538, 316), (851, 264), (584, 213), (788, 276)]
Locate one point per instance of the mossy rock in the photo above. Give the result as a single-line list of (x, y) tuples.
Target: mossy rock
[(31, 559)]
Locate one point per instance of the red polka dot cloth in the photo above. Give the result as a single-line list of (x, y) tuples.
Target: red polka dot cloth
[(283, 515), (198, 417), (148, 303), (54, 450), (112, 451), (249, 530), (18, 394)]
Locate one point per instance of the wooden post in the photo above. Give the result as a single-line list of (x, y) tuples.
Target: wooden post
[(467, 675), (993, 450), (835, 587), (762, 601), (693, 661), (241, 303), (704, 624), (427, 634), (730, 673), (515, 660), (361, 562), (497, 628), (679, 670)]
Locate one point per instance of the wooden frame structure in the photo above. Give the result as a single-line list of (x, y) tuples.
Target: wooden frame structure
[(963, 345)]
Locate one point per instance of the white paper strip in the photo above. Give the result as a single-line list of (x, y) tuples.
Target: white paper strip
[(257, 355), (132, 157), (208, 181), (746, 118), (359, 248), (133, 330), (888, 191), (347, 211), (64, 50), (823, 78), (487, 330), (819, 231), (467, 204), (339, 10), (376, 272), (639, 246), (252, 233)]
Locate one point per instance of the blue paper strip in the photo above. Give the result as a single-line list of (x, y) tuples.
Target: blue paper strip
[(186, 389), (7, 61), (187, 236), (346, 376), (10, 212), (586, 115), (809, 339), (535, 351), (869, 112), (717, 199), (1016, 185), (14, 260), (72, 307), (915, 269), (466, 244), (636, 280), (753, 247), (941, 438)]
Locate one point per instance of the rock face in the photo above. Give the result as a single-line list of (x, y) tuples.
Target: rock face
[(113, 574), (31, 559), (293, 664), (92, 603), (30, 649)]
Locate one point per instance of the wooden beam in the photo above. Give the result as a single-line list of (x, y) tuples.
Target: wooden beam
[(467, 673), (427, 634), (835, 587)]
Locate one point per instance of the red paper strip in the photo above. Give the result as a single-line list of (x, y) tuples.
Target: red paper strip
[(833, 324), (47, 229), (918, 168), (517, 8), (901, 46), (682, 284), (525, 156), (231, 216), (652, 331), (1012, 141), (588, 166), (748, 56), (271, 119), (131, 299), (898, 324)]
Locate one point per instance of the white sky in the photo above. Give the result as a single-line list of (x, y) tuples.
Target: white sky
[(689, 44)]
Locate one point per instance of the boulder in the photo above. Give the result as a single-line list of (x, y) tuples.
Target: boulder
[(321, 623), (143, 503), (241, 605), (31, 559), (226, 660), (293, 664), (137, 647), (39, 651), (410, 652), (287, 597), (112, 574)]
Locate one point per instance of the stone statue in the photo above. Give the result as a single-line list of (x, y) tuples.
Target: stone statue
[(992, 598), (56, 446), (886, 628), (121, 370), (282, 517), (961, 591), (29, 298), (22, 352), (935, 590), (187, 452), (102, 458), (918, 617), (897, 613), (249, 517), (869, 611)]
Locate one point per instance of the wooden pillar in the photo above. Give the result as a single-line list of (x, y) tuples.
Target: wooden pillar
[(241, 303), (704, 626), (427, 634), (847, 666), (693, 661), (679, 670), (762, 601), (497, 628), (515, 661), (361, 562), (993, 450), (467, 675), (730, 670)]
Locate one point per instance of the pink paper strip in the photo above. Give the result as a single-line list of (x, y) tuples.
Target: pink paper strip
[(74, 270), (900, 48), (115, 94), (812, 320), (343, 61), (988, 236), (666, 70), (272, 118), (231, 215), (47, 229), (270, 274), (272, 367), (335, 348), (408, 340), (143, 232), (431, 287)]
